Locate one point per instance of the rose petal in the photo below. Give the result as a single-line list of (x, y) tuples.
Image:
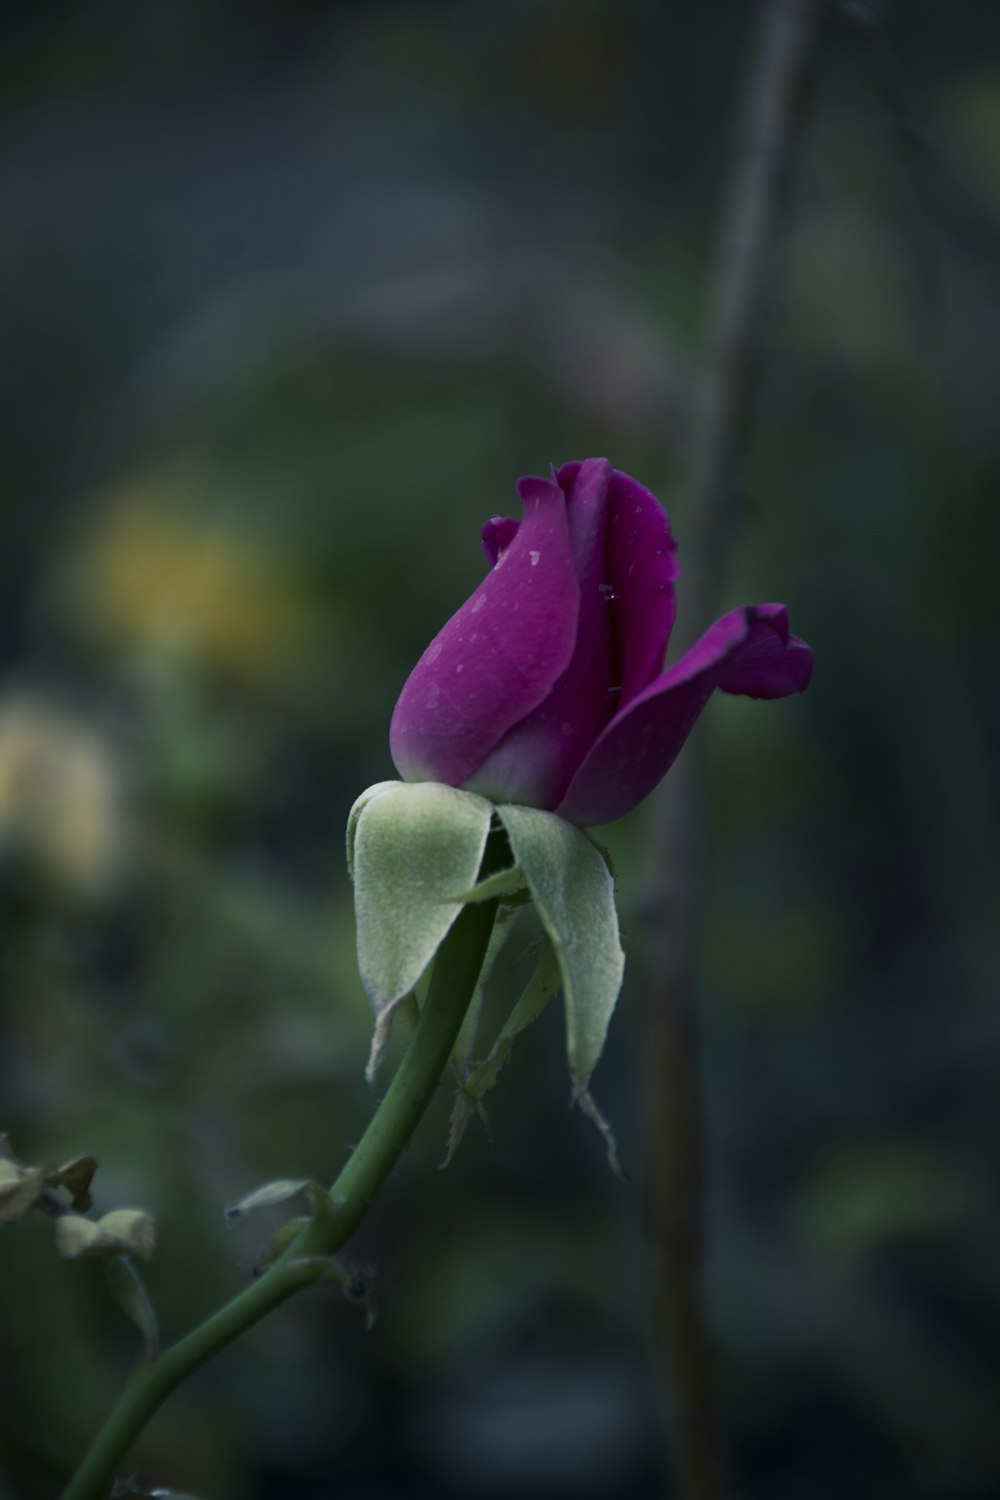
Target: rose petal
[(586, 511), (769, 667), (642, 566), (498, 656), (749, 650), (534, 761), (497, 535)]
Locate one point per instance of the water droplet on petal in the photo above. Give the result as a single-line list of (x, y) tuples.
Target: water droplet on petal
[(535, 558), (478, 603)]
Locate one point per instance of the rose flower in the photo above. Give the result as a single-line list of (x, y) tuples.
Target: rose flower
[(546, 688)]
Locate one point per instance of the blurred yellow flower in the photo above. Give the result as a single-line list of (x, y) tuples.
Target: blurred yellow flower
[(60, 796), (160, 577)]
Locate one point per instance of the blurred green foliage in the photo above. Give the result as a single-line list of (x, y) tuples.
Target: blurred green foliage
[(291, 295)]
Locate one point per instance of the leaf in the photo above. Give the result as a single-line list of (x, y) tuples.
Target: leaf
[(20, 1188), (131, 1229), (23, 1187), (276, 1246), (76, 1236), (266, 1196), (128, 1289), (574, 892), (414, 845), (128, 1231), (76, 1177), (322, 1211)]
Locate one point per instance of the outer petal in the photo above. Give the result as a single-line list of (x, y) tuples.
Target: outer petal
[(748, 651), (533, 763), (498, 656), (497, 535), (642, 566), (763, 669)]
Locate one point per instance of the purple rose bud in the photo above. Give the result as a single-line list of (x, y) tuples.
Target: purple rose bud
[(546, 688)]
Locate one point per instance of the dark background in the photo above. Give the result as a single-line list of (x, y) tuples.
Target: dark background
[(290, 295)]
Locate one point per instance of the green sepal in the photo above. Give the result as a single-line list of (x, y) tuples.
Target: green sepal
[(544, 983), (362, 802), (574, 892), (461, 1058), (411, 848), (503, 884), (465, 1043)]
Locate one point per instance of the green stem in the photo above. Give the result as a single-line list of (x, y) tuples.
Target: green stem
[(456, 970)]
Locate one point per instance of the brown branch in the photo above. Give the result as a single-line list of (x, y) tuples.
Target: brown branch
[(790, 33)]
